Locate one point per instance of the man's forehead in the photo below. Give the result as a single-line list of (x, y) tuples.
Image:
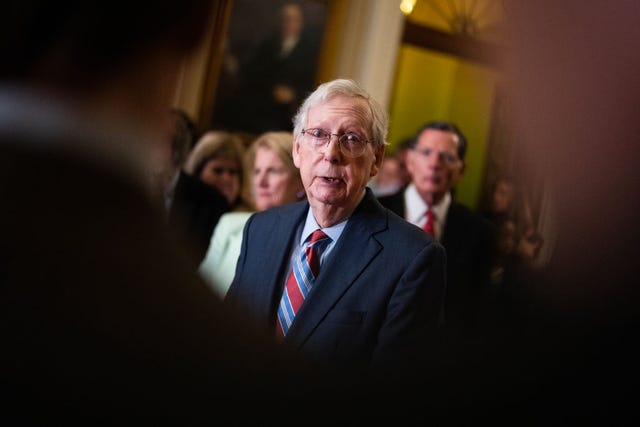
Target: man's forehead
[(345, 106), (434, 136)]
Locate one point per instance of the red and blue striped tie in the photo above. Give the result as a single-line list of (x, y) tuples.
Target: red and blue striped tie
[(300, 280)]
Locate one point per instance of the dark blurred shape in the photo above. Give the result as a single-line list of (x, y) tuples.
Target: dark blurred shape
[(103, 320), (196, 210)]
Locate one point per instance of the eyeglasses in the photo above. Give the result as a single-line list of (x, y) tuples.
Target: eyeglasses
[(443, 156), (351, 145)]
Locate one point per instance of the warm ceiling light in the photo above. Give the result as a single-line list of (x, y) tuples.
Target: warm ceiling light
[(406, 6)]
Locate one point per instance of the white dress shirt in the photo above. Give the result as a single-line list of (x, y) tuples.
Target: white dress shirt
[(416, 210)]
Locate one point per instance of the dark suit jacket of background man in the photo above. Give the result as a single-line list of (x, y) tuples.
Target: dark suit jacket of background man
[(362, 307), (469, 242), (195, 212)]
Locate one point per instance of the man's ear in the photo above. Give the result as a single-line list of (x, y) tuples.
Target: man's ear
[(377, 161), (295, 152), (460, 174)]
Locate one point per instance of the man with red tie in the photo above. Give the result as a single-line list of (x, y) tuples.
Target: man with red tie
[(436, 164)]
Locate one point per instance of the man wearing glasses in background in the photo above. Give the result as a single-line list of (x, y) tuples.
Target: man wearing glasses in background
[(371, 295), (436, 164)]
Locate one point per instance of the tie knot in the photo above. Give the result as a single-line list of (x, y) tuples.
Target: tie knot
[(317, 236)]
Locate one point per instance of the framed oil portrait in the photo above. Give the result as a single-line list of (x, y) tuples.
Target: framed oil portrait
[(265, 65)]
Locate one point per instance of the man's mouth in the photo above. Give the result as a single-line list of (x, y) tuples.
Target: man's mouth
[(332, 181)]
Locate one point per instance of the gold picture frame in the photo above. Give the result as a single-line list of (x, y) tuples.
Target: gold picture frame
[(245, 33)]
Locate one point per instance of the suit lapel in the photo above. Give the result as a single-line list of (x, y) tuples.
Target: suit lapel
[(277, 253), (353, 252)]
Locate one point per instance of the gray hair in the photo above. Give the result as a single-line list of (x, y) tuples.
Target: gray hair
[(345, 87)]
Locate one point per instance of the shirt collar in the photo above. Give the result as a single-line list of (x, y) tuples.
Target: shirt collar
[(416, 208), (310, 225)]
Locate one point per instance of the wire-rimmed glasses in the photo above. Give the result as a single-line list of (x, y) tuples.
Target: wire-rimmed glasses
[(351, 144)]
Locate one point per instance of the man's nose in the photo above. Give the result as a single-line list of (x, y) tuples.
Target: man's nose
[(332, 149)]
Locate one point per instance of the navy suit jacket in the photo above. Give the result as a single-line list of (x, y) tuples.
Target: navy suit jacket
[(378, 294), (469, 240)]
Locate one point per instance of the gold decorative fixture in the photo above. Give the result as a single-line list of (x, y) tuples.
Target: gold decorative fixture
[(470, 18), (406, 6)]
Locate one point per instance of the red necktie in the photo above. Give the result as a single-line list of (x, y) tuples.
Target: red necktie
[(304, 271), (428, 226)]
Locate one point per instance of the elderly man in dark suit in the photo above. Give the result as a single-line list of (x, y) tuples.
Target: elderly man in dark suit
[(371, 290), (436, 164)]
